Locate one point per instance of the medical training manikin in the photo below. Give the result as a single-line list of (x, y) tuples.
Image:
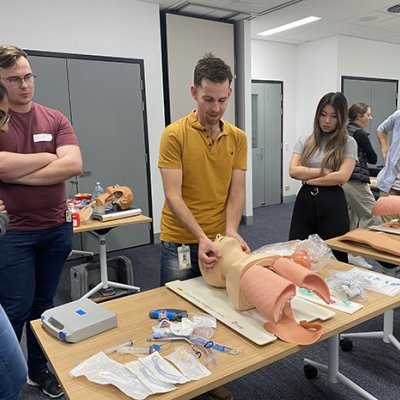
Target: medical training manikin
[(389, 243), (267, 282), (121, 196)]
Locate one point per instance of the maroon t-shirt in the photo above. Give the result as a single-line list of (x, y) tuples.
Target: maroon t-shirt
[(42, 129)]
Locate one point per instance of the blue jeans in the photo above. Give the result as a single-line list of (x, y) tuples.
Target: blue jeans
[(31, 263), (169, 263), (13, 367)]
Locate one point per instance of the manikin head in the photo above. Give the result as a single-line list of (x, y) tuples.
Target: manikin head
[(119, 195)]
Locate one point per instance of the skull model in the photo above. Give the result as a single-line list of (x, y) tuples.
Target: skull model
[(121, 196)]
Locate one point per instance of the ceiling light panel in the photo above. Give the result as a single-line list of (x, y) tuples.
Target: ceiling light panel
[(274, 19), (328, 28), (290, 25)]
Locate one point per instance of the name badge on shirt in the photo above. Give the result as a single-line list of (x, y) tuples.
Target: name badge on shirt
[(184, 257), (42, 137)]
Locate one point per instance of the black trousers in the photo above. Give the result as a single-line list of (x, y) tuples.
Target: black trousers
[(321, 210)]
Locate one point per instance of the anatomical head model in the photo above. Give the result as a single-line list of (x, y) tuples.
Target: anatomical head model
[(267, 282), (122, 196)]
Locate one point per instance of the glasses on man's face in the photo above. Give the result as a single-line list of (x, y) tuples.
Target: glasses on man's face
[(16, 81), (4, 118)]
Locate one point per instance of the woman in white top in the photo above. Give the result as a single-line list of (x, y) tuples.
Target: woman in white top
[(323, 161)]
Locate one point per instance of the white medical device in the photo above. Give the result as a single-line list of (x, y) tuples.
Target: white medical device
[(78, 320)]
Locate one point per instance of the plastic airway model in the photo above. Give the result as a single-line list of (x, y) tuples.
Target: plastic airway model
[(120, 195), (267, 282)]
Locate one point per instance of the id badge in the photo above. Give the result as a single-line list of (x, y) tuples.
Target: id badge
[(184, 257), (68, 215)]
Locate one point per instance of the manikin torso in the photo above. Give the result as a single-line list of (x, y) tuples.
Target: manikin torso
[(267, 282), (231, 267)]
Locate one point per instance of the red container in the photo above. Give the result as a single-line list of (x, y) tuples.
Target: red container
[(83, 196), (76, 219)]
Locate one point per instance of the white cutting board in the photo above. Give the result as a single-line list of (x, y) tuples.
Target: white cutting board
[(215, 302)]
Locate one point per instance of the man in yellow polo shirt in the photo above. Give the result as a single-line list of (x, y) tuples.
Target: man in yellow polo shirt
[(203, 162)]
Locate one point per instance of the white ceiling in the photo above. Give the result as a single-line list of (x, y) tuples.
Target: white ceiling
[(368, 19)]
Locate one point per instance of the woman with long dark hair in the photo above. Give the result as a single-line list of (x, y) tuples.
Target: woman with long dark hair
[(323, 162)]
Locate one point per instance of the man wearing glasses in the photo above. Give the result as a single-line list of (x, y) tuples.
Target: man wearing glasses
[(37, 155)]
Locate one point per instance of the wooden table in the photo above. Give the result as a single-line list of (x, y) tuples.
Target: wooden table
[(100, 229), (134, 323), (386, 334), (362, 250), (94, 225)]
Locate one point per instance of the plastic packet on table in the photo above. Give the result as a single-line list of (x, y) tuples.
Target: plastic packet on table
[(187, 362), (205, 325), (349, 284), (311, 253), (162, 369), (103, 370), (184, 327), (148, 378)]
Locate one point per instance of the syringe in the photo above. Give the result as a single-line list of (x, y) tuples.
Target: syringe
[(115, 348), (139, 349)]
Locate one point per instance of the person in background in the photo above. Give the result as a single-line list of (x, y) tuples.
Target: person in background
[(323, 162), (13, 368), (37, 155), (359, 197), (203, 162), (388, 179)]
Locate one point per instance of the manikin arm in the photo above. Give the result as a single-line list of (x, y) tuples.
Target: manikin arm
[(67, 164), (209, 254)]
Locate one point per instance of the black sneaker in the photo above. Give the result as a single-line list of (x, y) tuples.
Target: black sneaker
[(47, 383)]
